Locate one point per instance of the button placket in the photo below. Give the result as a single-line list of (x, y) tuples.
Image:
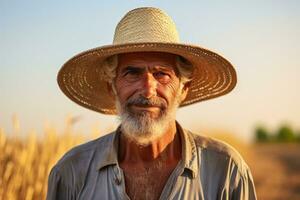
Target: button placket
[(118, 175), (120, 182)]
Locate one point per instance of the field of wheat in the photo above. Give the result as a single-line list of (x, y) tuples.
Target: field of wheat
[(25, 162)]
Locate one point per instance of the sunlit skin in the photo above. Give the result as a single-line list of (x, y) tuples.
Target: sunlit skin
[(147, 168), (148, 75)]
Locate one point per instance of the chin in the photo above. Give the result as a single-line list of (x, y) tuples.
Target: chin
[(143, 129)]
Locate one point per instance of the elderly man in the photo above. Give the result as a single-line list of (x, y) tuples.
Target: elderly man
[(144, 76)]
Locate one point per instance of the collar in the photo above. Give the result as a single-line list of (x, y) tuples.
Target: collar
[(109, 150), (189, 151)]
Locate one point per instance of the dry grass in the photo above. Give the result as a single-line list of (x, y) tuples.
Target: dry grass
[(26, 162), (276, 169)]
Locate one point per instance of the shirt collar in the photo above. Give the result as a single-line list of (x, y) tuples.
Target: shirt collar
[(109, 151), (189, 151)]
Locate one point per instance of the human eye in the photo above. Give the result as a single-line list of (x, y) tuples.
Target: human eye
[(162, 76), (131, 73)]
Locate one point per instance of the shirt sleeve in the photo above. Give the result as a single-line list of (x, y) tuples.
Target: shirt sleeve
[(245, 189), (57, 190)]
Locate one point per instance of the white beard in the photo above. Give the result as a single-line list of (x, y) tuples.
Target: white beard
[(142, 128)]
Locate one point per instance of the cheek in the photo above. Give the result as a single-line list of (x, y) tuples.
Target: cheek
[(124, 89), (169, 91)]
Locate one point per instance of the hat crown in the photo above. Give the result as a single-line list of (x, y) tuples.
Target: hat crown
[(146, 25), (140, 30)]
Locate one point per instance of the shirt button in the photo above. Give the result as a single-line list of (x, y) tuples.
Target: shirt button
[(117, 181)]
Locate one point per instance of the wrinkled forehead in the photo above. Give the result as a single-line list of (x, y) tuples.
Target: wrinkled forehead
[(146, 59)]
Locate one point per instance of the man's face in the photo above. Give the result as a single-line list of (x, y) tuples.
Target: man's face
[(148, 92)]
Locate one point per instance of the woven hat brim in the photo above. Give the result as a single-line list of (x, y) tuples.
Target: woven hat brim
[(80, 78)]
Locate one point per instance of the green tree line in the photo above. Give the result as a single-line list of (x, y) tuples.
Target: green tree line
[(283, 134)]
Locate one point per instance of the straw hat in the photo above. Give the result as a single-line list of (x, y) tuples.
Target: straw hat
[(143, 30)]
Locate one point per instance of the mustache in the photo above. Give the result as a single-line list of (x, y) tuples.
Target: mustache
[(142, 101)]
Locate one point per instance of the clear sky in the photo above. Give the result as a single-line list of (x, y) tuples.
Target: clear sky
[(260, 38)]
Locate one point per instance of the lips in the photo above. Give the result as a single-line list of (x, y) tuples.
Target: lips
[(145, 107), (146, 103), (143, 104)]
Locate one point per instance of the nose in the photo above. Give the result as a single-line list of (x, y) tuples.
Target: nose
[(149, 86)]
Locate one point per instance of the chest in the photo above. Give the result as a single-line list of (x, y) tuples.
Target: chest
[(147, 183)]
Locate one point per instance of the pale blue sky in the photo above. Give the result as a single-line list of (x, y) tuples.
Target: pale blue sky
[(260, 38)]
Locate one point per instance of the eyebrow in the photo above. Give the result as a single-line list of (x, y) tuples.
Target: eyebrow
[(163, 68), (141, 70), (133, 68)]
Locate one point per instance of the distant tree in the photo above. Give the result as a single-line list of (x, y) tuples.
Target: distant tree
[(298, 136), (261, 134), (285, 134)]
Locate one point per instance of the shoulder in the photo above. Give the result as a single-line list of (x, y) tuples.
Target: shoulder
[(222, 168), (82, 152), (69, 173), (219, 151), (81, 158)]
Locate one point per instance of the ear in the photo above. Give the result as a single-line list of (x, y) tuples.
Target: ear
[(185, 90)]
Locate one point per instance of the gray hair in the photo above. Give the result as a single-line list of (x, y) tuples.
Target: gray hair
[(110, 64)]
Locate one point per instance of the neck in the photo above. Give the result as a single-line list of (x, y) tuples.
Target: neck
[(168, 147)]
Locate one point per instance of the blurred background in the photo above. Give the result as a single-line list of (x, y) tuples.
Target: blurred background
[(260, 117)]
